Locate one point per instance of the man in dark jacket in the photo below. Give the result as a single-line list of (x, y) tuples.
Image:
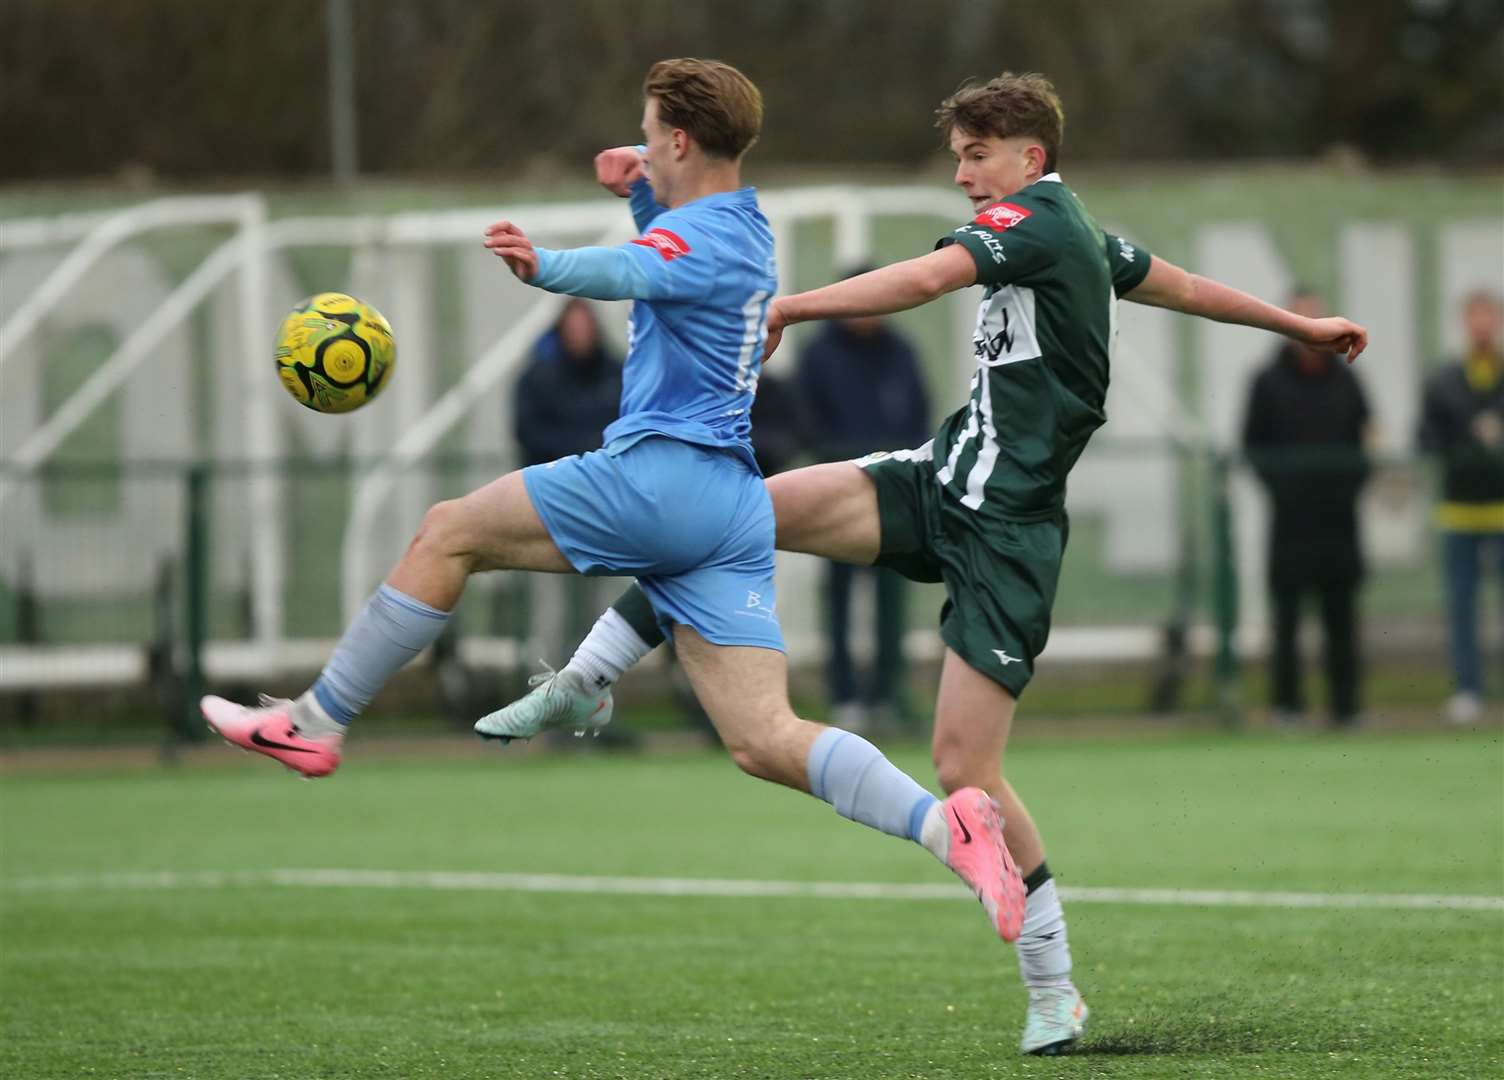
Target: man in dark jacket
[(1462, 423), (1304, 434), (570, 391), (863, 391), (778, 424)]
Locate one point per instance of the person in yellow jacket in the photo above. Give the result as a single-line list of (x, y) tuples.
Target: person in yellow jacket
[(1462, 424)]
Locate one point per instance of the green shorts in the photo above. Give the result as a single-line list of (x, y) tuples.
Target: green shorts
[(1000, 576)]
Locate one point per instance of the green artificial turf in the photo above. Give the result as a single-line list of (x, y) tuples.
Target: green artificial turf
[(256, 980)]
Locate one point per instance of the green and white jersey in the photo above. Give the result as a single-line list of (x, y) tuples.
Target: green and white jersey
[(1043, 346)]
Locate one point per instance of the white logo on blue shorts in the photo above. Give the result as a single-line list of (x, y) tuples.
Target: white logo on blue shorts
[(757, 609)]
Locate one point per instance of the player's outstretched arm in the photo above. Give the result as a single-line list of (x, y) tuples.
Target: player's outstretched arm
[(898, 287), (600, 273), (1168, 286)]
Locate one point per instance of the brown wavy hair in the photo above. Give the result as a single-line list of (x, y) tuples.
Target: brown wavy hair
[(717, 105), (1006, 106)]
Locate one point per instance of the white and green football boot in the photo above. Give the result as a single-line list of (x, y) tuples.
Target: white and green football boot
[(559, 699), (1056, 1018)]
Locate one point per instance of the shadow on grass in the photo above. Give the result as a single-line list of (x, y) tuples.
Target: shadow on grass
[(1213, 1031)]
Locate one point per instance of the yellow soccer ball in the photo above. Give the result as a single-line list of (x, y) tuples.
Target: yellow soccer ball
[(335, 353)]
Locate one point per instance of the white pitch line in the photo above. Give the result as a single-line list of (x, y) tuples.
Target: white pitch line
[(452, 881)]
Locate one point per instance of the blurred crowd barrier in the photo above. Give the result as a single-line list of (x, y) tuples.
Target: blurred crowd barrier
[(138, 575)]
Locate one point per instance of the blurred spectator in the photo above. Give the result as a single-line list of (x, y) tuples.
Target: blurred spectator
[(1462, 422), (778, 424), (570, 391), (1304, 434), (863, 391)]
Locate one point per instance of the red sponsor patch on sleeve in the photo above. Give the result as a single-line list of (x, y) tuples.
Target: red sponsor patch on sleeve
[(668, 244), (1002, 216)]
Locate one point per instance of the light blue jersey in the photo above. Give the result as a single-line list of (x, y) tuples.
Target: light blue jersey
[(702, 276), (675, 498)]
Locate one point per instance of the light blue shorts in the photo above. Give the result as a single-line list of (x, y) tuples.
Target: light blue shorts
[(693, 524)]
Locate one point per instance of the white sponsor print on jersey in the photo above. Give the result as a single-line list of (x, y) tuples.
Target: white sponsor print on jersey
[(1005, 328), (1126, 250), (1003, 657), (989, 240)]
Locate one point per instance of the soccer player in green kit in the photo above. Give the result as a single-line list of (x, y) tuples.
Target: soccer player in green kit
[(981, 506)]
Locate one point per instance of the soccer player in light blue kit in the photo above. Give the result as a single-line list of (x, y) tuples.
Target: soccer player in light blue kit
[(674, 498)]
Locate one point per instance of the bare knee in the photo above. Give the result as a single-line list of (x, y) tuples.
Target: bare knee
[(768, 750), (958, 765), (754, 752), (752, 759), (442, 533)]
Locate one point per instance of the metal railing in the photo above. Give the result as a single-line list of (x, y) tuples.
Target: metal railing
[(63, 627)]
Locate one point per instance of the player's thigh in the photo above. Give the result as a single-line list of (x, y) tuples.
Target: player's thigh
[(740, 686), (744, 691), (498, 528), (973, 718), (828, 510)]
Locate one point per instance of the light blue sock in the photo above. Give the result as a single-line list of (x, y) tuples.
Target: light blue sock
[(389, 631), (852, 775)]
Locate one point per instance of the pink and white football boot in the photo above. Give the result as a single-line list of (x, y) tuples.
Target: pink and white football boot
[(981, 859), (270, 730)]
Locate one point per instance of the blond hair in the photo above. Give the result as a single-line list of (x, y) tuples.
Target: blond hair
[(715, 104)]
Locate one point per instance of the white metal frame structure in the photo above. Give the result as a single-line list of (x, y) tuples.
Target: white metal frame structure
[(253, 241)]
